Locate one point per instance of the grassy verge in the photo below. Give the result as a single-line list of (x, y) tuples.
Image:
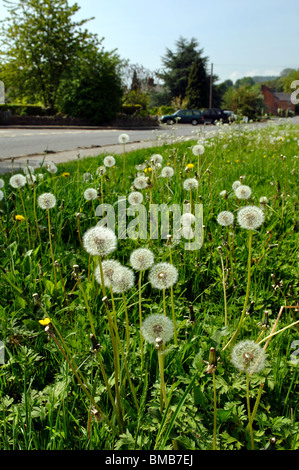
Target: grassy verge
[(61, 388)]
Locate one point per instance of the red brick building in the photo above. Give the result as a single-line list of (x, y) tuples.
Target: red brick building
[(276, 100)]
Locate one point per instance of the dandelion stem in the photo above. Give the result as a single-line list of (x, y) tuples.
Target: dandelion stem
[(25, 215), (249, 414), (127, 321), (161, 370), (51, 251), (215, 412), (236, 334), (224, 288), (140, 316)]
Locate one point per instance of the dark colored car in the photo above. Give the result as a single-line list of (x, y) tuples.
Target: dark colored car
[(184, 116), (214, 115)]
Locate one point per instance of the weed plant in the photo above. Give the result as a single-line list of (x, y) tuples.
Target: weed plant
[(80, 373)]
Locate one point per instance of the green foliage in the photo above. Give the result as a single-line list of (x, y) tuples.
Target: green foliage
[(178, 64), (244, 100), (43, 405), (40, 43), (197, 91), (93, 88)]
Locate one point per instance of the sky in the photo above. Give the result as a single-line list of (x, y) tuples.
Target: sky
[(240, 38)]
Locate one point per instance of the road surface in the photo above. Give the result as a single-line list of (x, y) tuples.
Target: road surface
[(23, 144)]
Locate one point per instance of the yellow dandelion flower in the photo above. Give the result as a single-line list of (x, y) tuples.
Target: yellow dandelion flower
[(45, 321), (19, 218), (147, 169), (66, 174), (190, 166)]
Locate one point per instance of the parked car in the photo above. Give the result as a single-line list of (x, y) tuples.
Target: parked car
[(213, 115), (184, 116)]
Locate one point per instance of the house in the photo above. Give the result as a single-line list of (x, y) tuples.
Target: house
[(275, 101)]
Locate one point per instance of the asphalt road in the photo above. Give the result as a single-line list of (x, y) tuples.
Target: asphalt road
[(23, 144), (19, 142)]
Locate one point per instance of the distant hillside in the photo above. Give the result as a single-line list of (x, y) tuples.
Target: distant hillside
[(258, 78)]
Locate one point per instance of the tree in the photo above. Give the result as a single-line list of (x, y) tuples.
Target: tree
[(93, 90), (198, 88), (177, 66), (40, 42), (244, 100)]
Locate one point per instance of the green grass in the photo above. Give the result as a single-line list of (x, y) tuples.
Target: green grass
[(53, 399)]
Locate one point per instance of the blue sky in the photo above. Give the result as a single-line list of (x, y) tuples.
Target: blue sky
[(240, 38)]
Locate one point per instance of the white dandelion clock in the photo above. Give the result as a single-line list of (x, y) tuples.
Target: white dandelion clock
[(46, 201), (188, 232), (157, 326), (2, 184), (248, 356), (141, 259), (17, 181), (225, 218), (187, 219), (90, 194), (135, 198), (109, 268), (167, 172), (1, 195), (156, 159), (140, 182), (109, 161), (243, 192), (99, 241), (123, 138), (190, 183), (250, 217), (163, 275), (123, 280), (236, 184), (28, 170), (198, 150), (51, 168), (87, 177)]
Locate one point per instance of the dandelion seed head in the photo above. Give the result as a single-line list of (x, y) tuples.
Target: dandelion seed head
[(236, 184), (140, 182), (167, 172), (90, 194), (1, 195), (190, 183), (156, 159), (248, 356), (109, 267), (109, 161), (28, 170), (157, 326), (99, 241), (2, 184), (223, 193), (250, 217), (135, 198), (243, 192), (123, 280), (225, 218), (187, 232), (141, 259), (51, 168), (46, 201), (123, 138), (18, 181), (198, 149), (263, 200), (163, 275), (87, 177), (188, 219)]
